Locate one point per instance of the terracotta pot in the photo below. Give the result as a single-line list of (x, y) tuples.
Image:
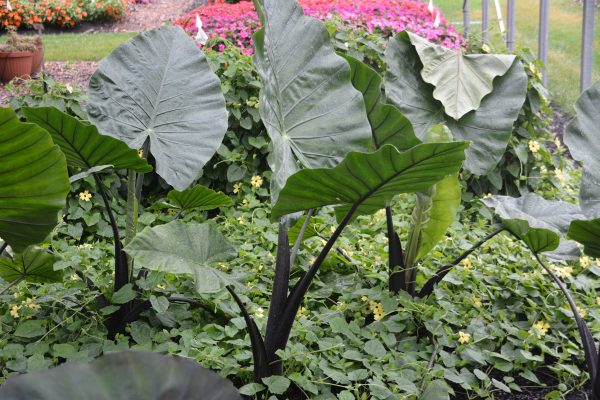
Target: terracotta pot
[(38, 58), (15, 64)]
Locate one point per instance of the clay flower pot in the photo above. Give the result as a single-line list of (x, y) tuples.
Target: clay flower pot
[(15, 64), (38, 58)]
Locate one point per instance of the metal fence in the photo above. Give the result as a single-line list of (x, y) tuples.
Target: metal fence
[(587, 32)]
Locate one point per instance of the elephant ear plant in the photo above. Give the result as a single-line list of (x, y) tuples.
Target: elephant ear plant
[(541, 224)]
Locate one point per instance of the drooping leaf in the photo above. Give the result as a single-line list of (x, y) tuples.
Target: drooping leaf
[(583, 141), (311, 229), (388, 125), (367, 181), (199, 198), (540, 223), (34, 265), (588, 234), (159, 87), (88, 172), (33, 182), (312, 113), (126, 375), (445, 202), (488, 128), (461, 81), (81, 143), (181, 248)]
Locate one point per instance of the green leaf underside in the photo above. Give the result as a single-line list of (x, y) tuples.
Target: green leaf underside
[(538, 222), (311, 229), (311, 112), (370, 180), (88, 172), (159, 87), (581, 136), (388, 125), (34, 265), (81, 143), (181, 248), (488, 128), (200, 198), (461, 81), (104, 378), (588, 234), (33, 182)]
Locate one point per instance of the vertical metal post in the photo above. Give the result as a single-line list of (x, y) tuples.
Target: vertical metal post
[(543, 37), (587, 44), (510, 22), (485, 21), (467, 17)]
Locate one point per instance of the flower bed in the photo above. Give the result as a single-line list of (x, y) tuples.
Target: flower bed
[(237, 22), (61, 13)]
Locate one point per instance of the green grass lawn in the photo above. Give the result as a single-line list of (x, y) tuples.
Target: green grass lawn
[(564, 39)]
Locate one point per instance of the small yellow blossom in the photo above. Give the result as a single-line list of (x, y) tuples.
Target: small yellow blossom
[(241, 220), (30, 304), (377, 310), (259, 313), (74, 277), (302, 311), (380, 213), (487, 196), (557, 143), (85, 196), (476, 301), (534, 146), (237, 187), (467, 264), (541, 327), (364, 298), (533, 68), (312, 260), (85, 246), (141, 153), (485, 48), (563, 272), (582, 311), (161, 286), (245, 202), (14, 311), (598, 300), (256, 181), (463, 337), (585, 262), (559, 176)]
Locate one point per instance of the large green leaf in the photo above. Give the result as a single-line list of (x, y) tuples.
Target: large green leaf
[(33, 182), (198, 198), (488, 128), (540, 223), (367, 181), (33, 265), (122, 376), (583, 140), (461, 81), (588, 234), (181, 248), (312, 113), (388, 125), (81, 143), (159, 87)]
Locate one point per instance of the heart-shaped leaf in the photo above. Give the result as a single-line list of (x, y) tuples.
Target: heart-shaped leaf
[(488, 128), (126, 375), (81, 143), (581, 136), (388, 125), (159, 87), (181, 248), (33, 265), (33, 182), (461, 81), (588, 234), (365, 182), (199, 198), (312, 113)]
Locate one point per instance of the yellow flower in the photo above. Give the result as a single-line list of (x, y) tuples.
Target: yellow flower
[(74, 277), (364, 298), (541, 327), (380, 213), (301, 311), (377, 310), (14, 311), (598, 300), (85, 196), (467, 264), (463, 337), (557, 142), (161, 286), (85, 246), (582, 312), (141, 153), (584, 262), (487, 196), (237, 187), (564, 272), (245, 202), (30, 304), (533, 69), (485, 48), (259, 313), (559, 176), (312, 260), (476, 301), (256, 181), (241, 220), (534, 146)]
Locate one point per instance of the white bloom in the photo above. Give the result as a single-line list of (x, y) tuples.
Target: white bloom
[(430, 6), (201, 36), (8, 7), (436, 22)]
